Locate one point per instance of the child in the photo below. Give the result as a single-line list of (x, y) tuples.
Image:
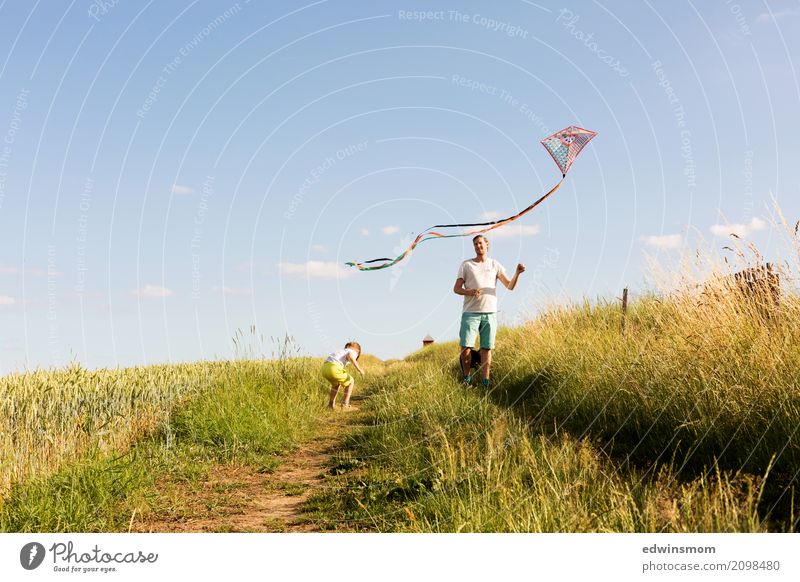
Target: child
[(333, 370)]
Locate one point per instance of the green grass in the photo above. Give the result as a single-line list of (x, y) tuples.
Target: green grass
[(688, 422), (52, 417), (250, 414), (441, 457), (705, 384)]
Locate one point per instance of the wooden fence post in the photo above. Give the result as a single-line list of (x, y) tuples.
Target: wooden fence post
[(624, 309)]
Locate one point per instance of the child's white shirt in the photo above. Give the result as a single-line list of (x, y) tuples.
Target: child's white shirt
[(340, 357)]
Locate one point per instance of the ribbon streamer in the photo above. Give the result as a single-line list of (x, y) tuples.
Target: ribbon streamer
[(564, 146), (429, 234)]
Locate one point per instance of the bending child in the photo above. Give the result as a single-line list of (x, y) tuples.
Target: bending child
[(333, 370)]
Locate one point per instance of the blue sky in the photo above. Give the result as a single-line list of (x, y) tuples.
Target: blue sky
[(173, 172)]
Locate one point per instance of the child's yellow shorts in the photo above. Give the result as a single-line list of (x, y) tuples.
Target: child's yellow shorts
[(335, 374)]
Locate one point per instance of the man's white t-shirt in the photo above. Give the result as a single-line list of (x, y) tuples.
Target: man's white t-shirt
[(340, 357), (481, 276)]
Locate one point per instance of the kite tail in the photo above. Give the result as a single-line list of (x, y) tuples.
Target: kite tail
[(505, 221), (431, 234)]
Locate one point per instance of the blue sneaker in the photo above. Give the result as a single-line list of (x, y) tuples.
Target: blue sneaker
[(467, 379), (485, 382)]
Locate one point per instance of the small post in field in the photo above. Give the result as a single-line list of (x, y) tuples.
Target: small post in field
[(761, 286), (624, 309)]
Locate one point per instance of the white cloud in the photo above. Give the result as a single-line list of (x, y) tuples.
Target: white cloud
[(513, 231), (364, 232), (490, 215), (766, 17), (315, 270), (153, 291), (664, 241), (390, 229), (29, 270), (319, 248), (738, 229), (244, 266), (12, 345), (6, 300), (181, 190), (225, 290), (253, 267)]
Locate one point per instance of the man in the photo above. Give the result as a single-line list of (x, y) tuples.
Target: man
[(477, 282)]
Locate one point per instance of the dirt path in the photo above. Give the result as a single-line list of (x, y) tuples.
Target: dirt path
[(237, 498)]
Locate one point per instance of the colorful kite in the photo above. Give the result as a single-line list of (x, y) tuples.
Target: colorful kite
[(564, 146)]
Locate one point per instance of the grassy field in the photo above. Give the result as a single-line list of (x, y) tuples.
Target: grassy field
[(686, 422), (113, 438), (441, 457)]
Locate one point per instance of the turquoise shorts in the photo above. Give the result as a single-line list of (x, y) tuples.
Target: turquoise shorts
[(473, 324)]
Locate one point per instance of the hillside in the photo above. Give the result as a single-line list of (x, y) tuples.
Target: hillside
[(686, 422)]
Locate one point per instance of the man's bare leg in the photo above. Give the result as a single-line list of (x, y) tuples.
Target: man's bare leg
[(466, 357), (486, 363)]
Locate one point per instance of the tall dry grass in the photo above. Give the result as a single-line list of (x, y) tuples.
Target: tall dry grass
[(114, 438), (52, 417), (708, 371), (49, 417), (689, 421), (437, 456)]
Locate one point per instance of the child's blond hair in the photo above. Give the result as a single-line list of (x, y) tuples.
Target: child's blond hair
[(354, 345)]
